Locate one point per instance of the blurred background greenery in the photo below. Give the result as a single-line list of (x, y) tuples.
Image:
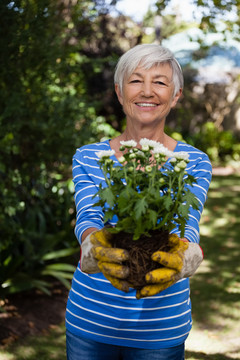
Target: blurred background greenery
[(56, 75)]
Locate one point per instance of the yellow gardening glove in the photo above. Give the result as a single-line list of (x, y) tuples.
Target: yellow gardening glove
[(180, 262), (98, 255)]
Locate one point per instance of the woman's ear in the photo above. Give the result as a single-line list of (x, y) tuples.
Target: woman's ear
[(176, 98), (119, 93)]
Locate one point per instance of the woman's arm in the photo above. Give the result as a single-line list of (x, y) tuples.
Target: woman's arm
[(88, 217)]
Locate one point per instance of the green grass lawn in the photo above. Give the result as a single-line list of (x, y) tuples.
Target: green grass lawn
[(215, 288)]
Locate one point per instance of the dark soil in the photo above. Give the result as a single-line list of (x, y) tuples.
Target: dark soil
[(140, 252), (31, 313)]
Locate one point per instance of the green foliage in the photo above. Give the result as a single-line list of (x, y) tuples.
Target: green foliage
[(220, 145), (45, 113), (143, 197)]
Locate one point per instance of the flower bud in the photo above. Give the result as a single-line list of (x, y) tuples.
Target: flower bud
[(177, 169), (132, 156), (131, 168), (148, 168), (108, 161), (145, 147), (122, 159), (182, 164)]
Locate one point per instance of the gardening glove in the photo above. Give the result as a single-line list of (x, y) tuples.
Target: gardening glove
[(98, 255), (180, 262)]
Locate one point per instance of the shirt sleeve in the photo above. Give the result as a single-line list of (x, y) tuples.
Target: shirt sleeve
[(202, 171), (87, 215)]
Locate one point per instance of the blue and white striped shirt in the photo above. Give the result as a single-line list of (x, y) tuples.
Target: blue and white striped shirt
[(97, 310)]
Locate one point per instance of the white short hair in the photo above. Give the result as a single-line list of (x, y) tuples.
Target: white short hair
[(148, 55)]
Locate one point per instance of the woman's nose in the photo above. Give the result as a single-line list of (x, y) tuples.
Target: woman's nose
[(147, 89)]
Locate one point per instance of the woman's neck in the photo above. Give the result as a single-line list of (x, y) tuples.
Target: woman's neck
[(137, 133)]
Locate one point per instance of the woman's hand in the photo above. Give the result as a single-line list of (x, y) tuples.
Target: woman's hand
[(98, 255), (180, 262)]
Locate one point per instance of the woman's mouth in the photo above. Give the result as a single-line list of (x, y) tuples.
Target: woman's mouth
[(144, 104)]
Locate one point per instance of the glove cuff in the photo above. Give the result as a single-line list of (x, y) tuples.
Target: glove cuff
[(193, 257), (88, 263)]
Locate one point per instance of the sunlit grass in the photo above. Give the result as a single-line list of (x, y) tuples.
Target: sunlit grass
[(215, 288)]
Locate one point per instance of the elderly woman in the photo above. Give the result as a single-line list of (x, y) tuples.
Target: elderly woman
[(105, 319)]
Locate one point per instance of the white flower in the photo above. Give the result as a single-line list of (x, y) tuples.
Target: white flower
[(150, 143), (105, 153), (182, 155), (162, 150), (173, 160), (169, 153), (129, 143)]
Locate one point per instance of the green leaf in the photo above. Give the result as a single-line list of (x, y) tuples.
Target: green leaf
[(107, 196), (108, 215), (62, 277), (127, 224), (57, 274), (181, 227), (125, 200), (61, 267), (190, 179), (23, 282), (152, 216), (60, 253), (191, 200), (167, 201), (140, 208), (183, 210)]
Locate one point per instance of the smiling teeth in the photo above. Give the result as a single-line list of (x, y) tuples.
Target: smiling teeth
[(146, 104)]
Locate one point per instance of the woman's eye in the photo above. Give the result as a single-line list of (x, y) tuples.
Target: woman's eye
[(160, 83), (134, 81)]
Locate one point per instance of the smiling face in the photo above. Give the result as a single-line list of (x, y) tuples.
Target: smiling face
[(147, 95)]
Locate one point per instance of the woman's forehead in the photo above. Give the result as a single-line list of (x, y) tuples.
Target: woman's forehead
[(157, 70)]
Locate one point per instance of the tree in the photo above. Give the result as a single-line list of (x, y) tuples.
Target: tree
[(45, 115), (211, 13)]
